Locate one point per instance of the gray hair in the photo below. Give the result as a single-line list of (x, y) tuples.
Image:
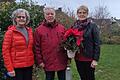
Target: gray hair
[(48, 8), (16, 12)]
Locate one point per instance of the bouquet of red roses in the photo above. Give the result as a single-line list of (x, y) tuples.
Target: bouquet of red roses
[(73, 39)]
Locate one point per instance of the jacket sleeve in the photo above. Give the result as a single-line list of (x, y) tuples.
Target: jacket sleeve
[(96, 41), (6, 49), (37, 47)]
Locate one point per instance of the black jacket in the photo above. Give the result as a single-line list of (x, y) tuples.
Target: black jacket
[(91, 42)]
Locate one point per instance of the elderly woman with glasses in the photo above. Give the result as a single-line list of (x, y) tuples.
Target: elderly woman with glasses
[(86, 59), (17, 47)]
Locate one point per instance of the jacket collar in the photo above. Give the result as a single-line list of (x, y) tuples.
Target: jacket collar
[(51, 25), (13, 27)]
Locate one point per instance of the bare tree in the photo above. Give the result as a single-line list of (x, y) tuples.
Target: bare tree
[(101, 16), (100, 12), (70, 12)]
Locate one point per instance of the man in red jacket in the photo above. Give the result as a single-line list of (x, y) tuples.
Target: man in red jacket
[(47, 39)]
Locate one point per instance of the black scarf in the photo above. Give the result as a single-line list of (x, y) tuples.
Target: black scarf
[(81, 25)]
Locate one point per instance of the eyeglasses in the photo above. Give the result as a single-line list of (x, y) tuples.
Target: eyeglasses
[(21, 17)]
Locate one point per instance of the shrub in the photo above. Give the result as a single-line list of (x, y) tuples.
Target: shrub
[(6, 9)]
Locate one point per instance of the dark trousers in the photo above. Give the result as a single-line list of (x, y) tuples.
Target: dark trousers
[(51, 74), (86, 72), (23, 73)]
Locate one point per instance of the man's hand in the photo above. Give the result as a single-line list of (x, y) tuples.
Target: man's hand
[(71, 54), (42, 65)]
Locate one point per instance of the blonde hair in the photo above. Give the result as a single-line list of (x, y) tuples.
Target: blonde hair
[(83, 7), (16, 12)]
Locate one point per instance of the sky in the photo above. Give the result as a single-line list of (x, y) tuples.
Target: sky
[(113, 6)]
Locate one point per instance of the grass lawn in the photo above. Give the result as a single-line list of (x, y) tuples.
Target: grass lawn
[(108, 67)]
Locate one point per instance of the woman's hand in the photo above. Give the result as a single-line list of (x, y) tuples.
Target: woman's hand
[(93, 63), (11, 74)]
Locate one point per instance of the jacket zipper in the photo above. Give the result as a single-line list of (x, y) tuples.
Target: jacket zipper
[(25, 38)]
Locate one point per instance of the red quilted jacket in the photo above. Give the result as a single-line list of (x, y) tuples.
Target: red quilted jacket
[(16, 53), (47, 47)]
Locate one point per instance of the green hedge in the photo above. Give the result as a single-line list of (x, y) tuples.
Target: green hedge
[(7, 8)]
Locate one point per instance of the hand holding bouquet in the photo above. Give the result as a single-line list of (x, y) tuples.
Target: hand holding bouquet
[(72, 40)]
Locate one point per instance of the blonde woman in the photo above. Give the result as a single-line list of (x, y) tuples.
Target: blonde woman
[(86, 60)]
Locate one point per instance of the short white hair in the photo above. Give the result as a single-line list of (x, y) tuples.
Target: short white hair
[(48, 8), (16, 12)]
